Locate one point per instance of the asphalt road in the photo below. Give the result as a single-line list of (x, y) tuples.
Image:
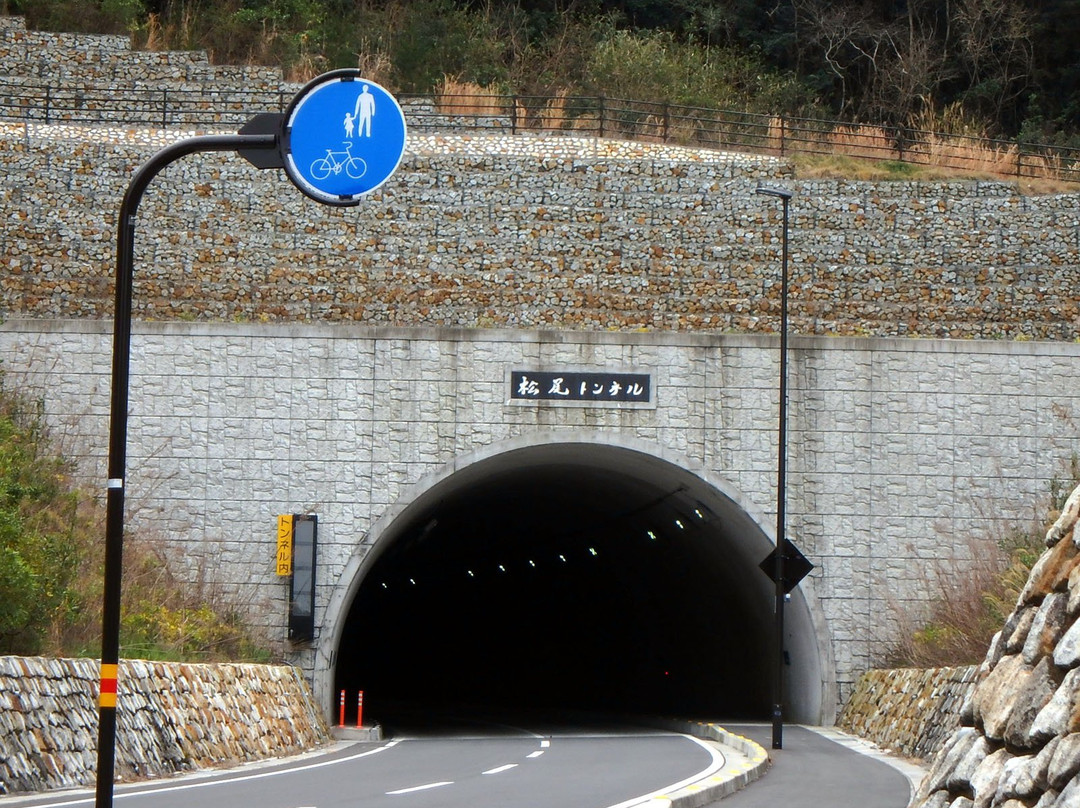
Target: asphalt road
[(590, 768), (452, 765)]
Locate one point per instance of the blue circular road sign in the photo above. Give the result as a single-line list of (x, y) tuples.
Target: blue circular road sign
[(344, 136)]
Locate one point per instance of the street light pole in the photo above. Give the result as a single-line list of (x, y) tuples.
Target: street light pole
[(118, 411), (784, 195)]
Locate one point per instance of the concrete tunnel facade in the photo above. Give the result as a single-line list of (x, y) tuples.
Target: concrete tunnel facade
[(571, 572), (406, 446)]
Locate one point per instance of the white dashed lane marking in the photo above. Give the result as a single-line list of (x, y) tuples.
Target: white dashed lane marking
[(424, 787)]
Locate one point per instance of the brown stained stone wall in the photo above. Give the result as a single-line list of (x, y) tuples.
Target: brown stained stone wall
[(533, 232), (171, 717), (1019, 739), (908, 711)]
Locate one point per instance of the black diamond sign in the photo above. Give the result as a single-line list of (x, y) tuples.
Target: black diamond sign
[(796, 566)]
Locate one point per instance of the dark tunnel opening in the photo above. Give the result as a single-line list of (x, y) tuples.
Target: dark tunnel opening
[(562, 585)]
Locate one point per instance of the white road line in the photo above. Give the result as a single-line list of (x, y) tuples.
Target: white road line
[(222, 781), (545, 744), (536, 754), (424, 787), (501, 769)]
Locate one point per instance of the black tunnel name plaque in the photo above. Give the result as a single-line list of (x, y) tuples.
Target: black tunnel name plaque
[(581, 387)]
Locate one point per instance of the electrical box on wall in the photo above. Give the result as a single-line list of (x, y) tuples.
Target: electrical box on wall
[(297, 540)]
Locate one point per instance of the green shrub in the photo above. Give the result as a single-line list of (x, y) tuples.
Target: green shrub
[(51, 565), (99, 16), (657, 66), (39, 522)]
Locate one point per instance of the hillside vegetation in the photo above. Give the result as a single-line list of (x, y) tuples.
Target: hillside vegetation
[(1004, 68), (51, 565)]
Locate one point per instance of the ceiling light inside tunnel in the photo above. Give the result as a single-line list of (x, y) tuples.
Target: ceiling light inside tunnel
[(651, 535), (592, 551), (532, 563), (502, 568), (679, 524), (471, 573), (562, 558), (703, 513)]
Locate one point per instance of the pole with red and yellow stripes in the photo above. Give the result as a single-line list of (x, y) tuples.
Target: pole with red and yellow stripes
[(107, 699)]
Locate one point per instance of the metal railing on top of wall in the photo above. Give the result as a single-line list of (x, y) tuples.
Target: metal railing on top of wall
[(594, 116)]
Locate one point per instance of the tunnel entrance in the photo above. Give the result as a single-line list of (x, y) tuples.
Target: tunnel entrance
[(571, 576)]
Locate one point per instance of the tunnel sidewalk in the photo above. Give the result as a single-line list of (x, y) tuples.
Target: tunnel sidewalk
[(821, 767)]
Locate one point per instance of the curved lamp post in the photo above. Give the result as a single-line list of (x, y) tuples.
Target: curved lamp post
[(118, 412)]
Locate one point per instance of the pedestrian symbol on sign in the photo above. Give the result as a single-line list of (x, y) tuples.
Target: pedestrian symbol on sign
[(365, 110)]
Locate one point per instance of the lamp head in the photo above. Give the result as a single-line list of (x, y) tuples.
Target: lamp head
[(779, 193)]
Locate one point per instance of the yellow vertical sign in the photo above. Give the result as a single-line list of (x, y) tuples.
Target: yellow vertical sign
[(284, 544)]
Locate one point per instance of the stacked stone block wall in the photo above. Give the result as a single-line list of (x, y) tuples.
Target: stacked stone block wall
[(173, 717), (908, 711)]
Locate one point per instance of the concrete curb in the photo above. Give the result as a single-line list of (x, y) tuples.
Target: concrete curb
[(748, 763), (370, 733)]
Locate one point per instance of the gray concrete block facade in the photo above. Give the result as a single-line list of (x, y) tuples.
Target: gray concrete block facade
[(904, 453)]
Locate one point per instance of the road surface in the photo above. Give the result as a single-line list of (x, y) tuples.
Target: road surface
[(812, 771), (459, 765), (496, 769)]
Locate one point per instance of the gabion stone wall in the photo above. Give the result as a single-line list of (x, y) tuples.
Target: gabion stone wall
[(532, 232), (909, 711)]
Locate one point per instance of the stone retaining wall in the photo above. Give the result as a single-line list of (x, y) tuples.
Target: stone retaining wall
[(908, 711), (533, 232), (171, 717)]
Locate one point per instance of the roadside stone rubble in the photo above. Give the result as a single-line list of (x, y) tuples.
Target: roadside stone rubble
[(1019, 740), (171, 717)]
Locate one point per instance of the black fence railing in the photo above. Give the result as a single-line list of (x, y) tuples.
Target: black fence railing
[(592, 116)]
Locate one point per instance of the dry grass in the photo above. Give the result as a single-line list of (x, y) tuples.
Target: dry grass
[(849, 151), (776, 136), (978, 595), (948, 152), (455, 97), (852, 154), (554, 116), (863, 143), (376, 66)]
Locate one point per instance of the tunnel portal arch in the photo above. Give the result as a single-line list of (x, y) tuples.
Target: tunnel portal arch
[(571, 571)]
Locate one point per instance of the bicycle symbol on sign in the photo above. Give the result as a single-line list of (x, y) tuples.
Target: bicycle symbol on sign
[(336, 161)]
